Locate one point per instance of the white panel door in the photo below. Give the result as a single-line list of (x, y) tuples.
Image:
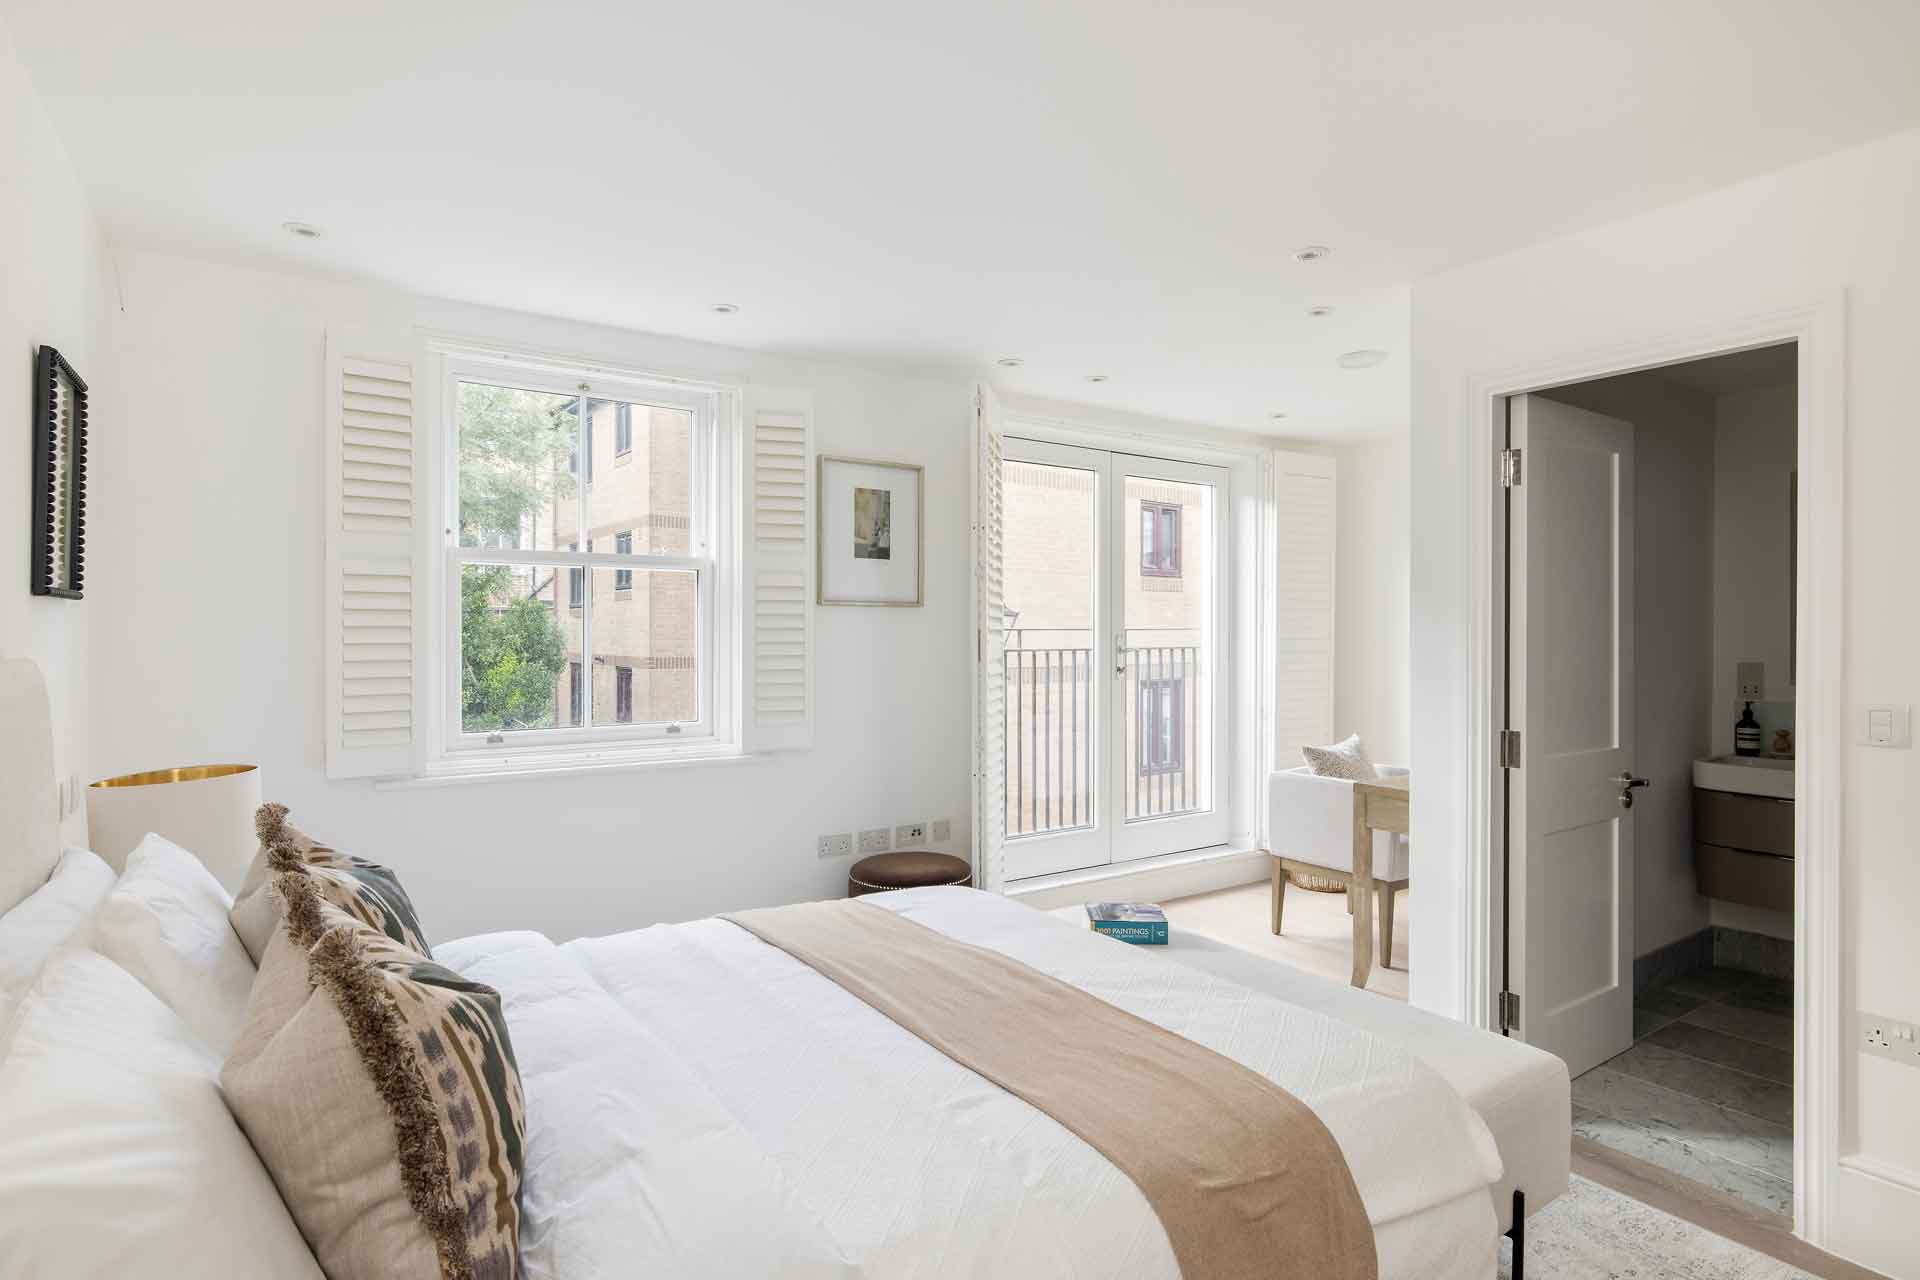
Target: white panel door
[(1571, 632)]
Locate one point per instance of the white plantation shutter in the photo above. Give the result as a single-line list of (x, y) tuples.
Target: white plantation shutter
[(375, 528), (1300, 495), (779, 569), (989, 699)]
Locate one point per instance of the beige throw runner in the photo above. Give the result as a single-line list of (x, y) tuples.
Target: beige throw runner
[(1244, 1178)]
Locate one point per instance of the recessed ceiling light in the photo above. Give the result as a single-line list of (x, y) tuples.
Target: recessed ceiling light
[(1009, 362), (1320, 311), (725, 308), (305, 230), (1311, 253), (1363, 359), (1096, 377)]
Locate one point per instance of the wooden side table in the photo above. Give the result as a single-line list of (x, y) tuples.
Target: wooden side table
[(1380, 805)]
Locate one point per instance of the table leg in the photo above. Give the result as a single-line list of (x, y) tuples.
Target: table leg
[(1362, 891), (1279, 892), (1386, 892)]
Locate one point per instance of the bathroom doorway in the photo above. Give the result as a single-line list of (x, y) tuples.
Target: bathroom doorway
[(1648, 671)]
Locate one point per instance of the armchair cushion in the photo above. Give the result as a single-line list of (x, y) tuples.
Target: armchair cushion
[(1310, 819)]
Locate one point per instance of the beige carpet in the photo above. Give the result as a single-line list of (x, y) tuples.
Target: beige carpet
[(1318, 935)]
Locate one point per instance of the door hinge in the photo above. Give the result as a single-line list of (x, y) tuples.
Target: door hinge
[(1509, 1011), (1509, 748), (1509, 468)]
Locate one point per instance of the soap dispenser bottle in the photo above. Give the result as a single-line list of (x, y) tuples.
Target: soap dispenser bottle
[(1746, 734)]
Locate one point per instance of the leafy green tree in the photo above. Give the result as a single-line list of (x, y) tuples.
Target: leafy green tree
[(513, 458), (513, 453), (511, 651)]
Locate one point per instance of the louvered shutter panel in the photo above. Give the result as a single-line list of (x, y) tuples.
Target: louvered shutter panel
[(990, 620), (779, 569), (375, 529), (1301, 493)]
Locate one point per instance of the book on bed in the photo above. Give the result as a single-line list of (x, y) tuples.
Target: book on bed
[(1141, 922)]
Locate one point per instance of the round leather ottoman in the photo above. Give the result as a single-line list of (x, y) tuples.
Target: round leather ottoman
[(906, 869)]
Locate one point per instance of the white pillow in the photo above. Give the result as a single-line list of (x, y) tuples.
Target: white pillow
[(58, 911), (118, 1156), (1341, 760), (166, 924)]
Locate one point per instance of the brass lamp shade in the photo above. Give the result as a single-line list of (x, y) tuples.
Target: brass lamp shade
[(206, 809)]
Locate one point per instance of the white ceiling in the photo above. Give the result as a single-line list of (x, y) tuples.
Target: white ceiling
[(1098, 186)]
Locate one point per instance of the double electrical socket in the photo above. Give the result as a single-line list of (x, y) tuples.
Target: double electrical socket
[(1888, 1038)]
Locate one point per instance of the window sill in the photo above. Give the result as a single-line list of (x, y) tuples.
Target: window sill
[(453, 773)]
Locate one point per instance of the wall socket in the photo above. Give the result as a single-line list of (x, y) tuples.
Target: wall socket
[(1888, 1038), (942, 830), (839, 845), (1752, 679), (910, 833), (875, 840)]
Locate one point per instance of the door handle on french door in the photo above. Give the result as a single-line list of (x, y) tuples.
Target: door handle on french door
[(1627, 783), (1120, 652)]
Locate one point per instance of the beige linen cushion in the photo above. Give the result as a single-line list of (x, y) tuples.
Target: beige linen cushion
[(381, 1092), (365, 890), (1341, 760)]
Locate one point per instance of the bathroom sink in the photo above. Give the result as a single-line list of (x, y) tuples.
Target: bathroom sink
[(1748, 775)]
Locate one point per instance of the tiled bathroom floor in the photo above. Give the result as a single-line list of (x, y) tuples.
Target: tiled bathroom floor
[(1706, 1092)]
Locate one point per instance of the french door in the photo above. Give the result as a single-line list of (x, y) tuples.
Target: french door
[(1112, 569)]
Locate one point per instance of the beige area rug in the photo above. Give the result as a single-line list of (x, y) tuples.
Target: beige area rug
[(1318, 935), (1595, 1233)]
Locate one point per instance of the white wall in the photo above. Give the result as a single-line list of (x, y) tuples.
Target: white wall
[(1755, 437), (1370, 583), (208, 613), (56, 289), (1842, 222), (1673, 537)]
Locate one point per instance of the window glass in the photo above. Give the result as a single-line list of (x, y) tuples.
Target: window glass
[(651, 631), (650, 492), (515, 478), (516, 648)]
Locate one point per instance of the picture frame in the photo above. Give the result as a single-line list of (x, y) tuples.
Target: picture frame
[(868, 545), (57, 543)]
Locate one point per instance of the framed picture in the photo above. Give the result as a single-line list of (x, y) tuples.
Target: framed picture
[(869, 535), (58, 537)]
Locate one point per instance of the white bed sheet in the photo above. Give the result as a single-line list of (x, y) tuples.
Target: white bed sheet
[(702, 1104)]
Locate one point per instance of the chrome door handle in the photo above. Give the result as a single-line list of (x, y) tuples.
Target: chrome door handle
[(1120, 652), (1627, 783)]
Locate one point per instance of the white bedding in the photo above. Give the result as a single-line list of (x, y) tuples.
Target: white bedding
[(702, 1104)]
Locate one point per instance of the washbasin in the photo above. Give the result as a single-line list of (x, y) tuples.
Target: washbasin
[(1748, 775)]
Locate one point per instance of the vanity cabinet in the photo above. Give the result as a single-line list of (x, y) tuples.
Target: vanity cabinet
[(1743, 848)]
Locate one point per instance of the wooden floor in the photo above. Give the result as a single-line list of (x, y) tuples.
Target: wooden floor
[(1318, 939)]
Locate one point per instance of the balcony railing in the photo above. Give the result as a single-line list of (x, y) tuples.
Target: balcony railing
[(1052, 717)]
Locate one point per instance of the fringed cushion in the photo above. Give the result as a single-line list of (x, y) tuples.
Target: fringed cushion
[(366, 890), (386, 1104)]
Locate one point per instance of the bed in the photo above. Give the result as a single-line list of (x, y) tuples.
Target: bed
[(699, 1103)]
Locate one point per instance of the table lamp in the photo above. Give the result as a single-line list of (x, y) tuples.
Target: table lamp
[(206, 809)]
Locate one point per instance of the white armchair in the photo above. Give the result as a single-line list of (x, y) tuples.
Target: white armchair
[(1310, 827)]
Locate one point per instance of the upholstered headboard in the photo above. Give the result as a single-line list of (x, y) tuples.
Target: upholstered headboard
[(29, 825)]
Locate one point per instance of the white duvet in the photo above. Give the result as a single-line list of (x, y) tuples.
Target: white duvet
[(702, 1104)]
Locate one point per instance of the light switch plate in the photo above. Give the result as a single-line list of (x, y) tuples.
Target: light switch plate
[(1884, 724)]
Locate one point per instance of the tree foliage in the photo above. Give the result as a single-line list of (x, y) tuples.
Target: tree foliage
[(511, 652), (513, 453)]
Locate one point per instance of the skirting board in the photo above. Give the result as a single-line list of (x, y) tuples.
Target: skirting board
[(1150, 880)]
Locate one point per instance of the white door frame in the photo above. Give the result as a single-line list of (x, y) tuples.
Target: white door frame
[(1818, 325)]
